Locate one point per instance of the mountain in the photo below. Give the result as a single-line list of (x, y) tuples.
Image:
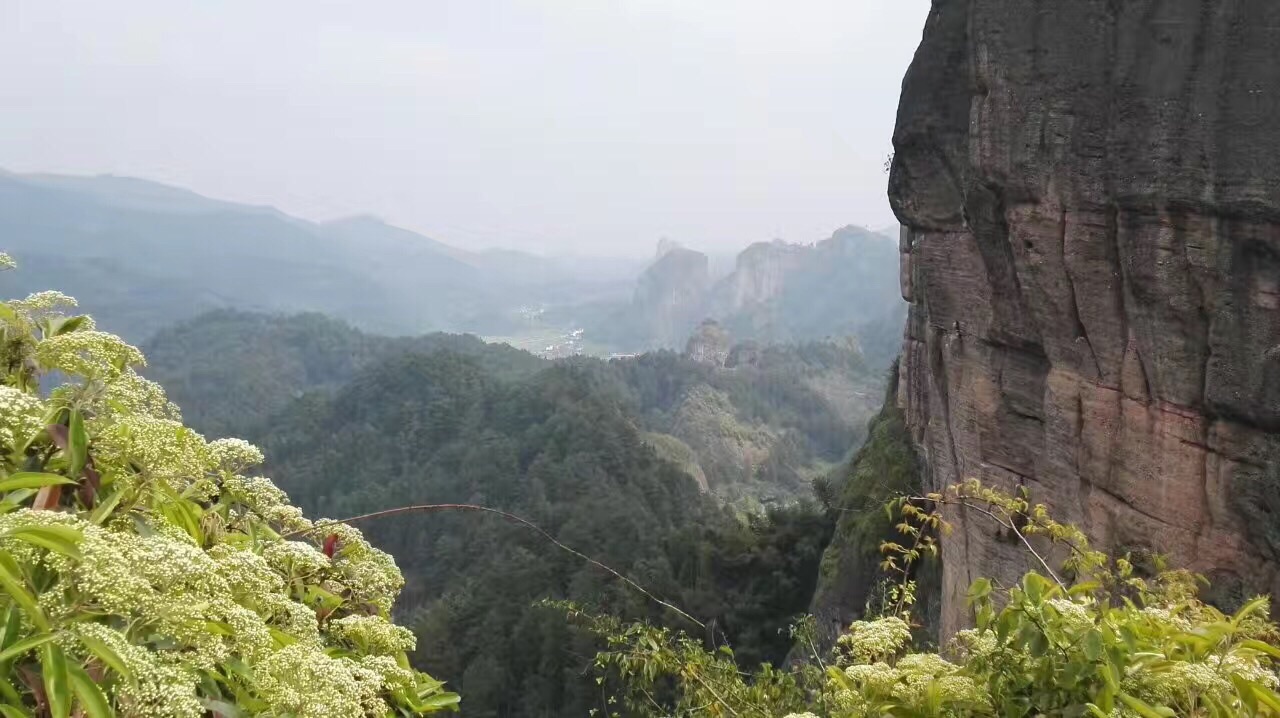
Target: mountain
[(141, 255), (757, 424), (231, 370), (1092, 264), (631, 460), (777, 292), (780, 292)]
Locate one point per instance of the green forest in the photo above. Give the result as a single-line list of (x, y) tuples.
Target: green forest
[(546, 555), (639, 459)]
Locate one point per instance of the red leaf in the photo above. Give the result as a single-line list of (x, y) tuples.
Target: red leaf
[(47, 498), (330, 545), (89, 485)]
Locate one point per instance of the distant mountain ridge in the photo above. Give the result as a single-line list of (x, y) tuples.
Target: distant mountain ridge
[(140, 255)]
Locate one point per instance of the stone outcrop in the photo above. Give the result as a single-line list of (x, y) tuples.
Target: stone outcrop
[(669, 295), (1091, 199), (760, 275), (710, 344)]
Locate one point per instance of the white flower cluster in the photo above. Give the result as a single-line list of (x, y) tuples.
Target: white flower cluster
[(295, 558), (130, 393), (160, 686), (235, 455), (43, 302), (369, 573), (6, 262), (20, 417), (1074, 615), (89, 354), (163, 448), (373, 634), (190, 572), (261, 497), (298, 681), (916, 681), (868, 641), (169, 588)]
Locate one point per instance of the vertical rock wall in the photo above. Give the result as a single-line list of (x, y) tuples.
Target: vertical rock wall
[(1091, 197)]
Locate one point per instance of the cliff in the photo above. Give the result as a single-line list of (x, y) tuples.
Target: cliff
[(669, 294), (780, 292), (777, 293), (1091, 199)]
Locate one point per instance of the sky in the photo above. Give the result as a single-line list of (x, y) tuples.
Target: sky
[(560, 126)]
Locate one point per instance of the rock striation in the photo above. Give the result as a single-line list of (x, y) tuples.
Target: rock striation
[(1091, 199)]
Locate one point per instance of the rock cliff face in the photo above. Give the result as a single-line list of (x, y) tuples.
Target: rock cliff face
[(759, 275), (670, 293), (1091, 194)]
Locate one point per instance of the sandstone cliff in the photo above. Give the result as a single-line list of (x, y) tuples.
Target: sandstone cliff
[(669, 295), (1091, 194)]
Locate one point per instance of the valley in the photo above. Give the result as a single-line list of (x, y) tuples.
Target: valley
[(1016, 455)]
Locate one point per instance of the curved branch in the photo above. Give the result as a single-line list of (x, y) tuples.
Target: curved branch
[(423, 508)]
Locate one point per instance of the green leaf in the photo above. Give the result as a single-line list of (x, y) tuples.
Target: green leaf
[(219, 628), (282, 639), (25, 645), (979, 589), (1261, 647), (59, 539), (441, 701), (88, 693), (32, 480), (1267, 696), (13, 711), (181, 512), (12, 627), (1144, 709), (104, 509), (1244, 688), (13, 584), (79, 443), (57, 691), (1033, 584), (70, 324), (221, 709), (107, 655), (1093, 645)]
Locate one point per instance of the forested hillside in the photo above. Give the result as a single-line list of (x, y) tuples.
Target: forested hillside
[(232, 370), (632, 459), (761, 429), (563, 450)]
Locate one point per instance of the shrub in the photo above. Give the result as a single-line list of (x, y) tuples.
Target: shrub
[(147, 574), (1105, 642)]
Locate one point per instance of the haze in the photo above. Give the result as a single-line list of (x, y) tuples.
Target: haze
[(557, 126)]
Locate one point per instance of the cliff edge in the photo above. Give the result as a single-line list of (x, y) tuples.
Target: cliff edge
[(1091, 199)]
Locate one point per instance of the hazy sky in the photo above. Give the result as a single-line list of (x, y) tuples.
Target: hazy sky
[(580, 125)]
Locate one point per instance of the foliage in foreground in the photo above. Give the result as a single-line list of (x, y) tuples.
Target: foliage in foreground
[(145, 575), (1104, 642)]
